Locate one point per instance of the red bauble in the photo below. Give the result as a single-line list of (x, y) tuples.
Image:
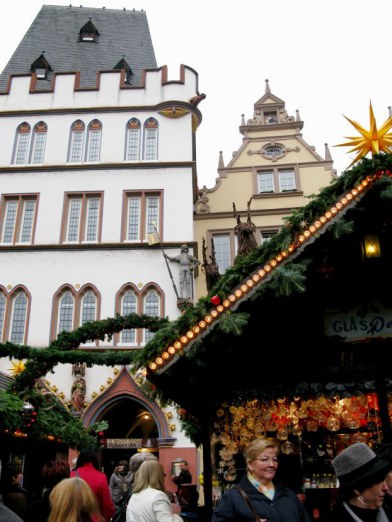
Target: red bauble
[(215, 299)]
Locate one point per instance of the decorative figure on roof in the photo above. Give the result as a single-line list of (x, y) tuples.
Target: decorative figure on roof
[(78, 389), (188, 263), (374, 140), (245, 232), (195, 100), (211, 270)]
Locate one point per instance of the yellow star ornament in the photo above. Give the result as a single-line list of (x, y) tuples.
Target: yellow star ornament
[(17, 368), (374, 140)]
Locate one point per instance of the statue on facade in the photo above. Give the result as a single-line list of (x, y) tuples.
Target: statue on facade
[(78, 389), (245, 232), (211, 270), (188, 263)]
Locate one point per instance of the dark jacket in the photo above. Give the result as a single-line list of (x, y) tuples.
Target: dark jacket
[(285, 507), (184, 477), (6, 514), (340, 514)]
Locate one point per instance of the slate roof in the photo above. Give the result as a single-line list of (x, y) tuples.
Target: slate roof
[(55, 32), (5, 381)]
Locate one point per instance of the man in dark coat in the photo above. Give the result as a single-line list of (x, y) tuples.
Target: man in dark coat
[(184, 477)]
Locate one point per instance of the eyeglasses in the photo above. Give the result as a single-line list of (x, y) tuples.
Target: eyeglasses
[(265, 460)]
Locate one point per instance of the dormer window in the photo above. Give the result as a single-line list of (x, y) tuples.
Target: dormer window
[(41, 67), (89, 32), (122, 64), (270, 118)]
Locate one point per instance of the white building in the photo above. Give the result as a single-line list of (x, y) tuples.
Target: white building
[(97, 149)]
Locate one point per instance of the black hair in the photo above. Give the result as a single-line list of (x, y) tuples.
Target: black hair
[(87, 455)]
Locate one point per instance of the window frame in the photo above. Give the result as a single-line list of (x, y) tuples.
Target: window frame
[(143, 222), (9, 313), (212, 234), (85, 199), (19, 220), (276, 172), (133, 140), (150, 139)]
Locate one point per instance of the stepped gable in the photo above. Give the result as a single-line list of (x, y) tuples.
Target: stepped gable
[(58, 34)]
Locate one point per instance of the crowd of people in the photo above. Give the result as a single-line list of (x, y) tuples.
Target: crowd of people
[(137, 489)]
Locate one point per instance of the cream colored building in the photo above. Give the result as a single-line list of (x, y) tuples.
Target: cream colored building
[(274, 166)]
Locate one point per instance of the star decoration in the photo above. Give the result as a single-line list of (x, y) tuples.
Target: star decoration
[(303, 224), (373, 140), (17, 368)]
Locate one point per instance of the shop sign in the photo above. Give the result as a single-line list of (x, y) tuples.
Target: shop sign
[(365, 322), (129, 443)]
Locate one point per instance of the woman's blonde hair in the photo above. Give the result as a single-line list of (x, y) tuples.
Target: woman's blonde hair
[(72, 498), (257, 446), (149, 475)]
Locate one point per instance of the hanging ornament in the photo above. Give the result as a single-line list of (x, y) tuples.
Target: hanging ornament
[(215, 300)]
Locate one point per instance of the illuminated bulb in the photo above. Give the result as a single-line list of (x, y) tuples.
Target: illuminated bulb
[(323, 219), (284, 253), (190, 335), (214, 313), (354, 192), (202, 324), (364, 183), (301, 238), (152, 366), (359, 188), (328, 214), (249, 283), (165, 355), (267, 268), (256, 278), (237, 293), (279, 258), (226, 303), (244, 288), (196, 329), (261, 273), (317, 224), (312, 229), (220, 308), (171, 350), (159, 360), (177, 345), (184, 339), (291, 248), (344, 201), (306, 233), (349, 197), (232, 298), (339, 206), (334, 210), (273, 263), (208, 319)]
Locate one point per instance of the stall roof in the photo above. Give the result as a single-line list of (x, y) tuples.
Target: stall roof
[(268, 336)]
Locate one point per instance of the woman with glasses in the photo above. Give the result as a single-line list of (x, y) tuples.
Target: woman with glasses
[(258, 496)]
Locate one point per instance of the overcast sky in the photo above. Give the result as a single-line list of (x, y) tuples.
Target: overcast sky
[(324, 59)]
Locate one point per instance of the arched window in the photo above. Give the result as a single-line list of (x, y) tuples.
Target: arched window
[(38, 143), (94, 141), (129, 306), (66, 313), (151, 308), (132, 150), (18, 318), (75, 154), (150, 139), (21, 147), (89, 307), (3, 301)]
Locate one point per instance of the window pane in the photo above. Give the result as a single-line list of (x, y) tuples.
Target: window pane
[(222, 252), (286, 180), (74, 219), (92, 219), (66, 313), (151, 308), (128, 307), (22, 148), (265, 181), (27, 220), (152, 213), (89, 305), (150, 148), (133, 218), (76, 146), (10, 220), (133, 145), (38, 147), (18, 319), (266, 236), (2, 312), (94, 145)]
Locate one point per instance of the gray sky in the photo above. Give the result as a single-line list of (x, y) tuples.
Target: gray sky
[(324, 59)]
